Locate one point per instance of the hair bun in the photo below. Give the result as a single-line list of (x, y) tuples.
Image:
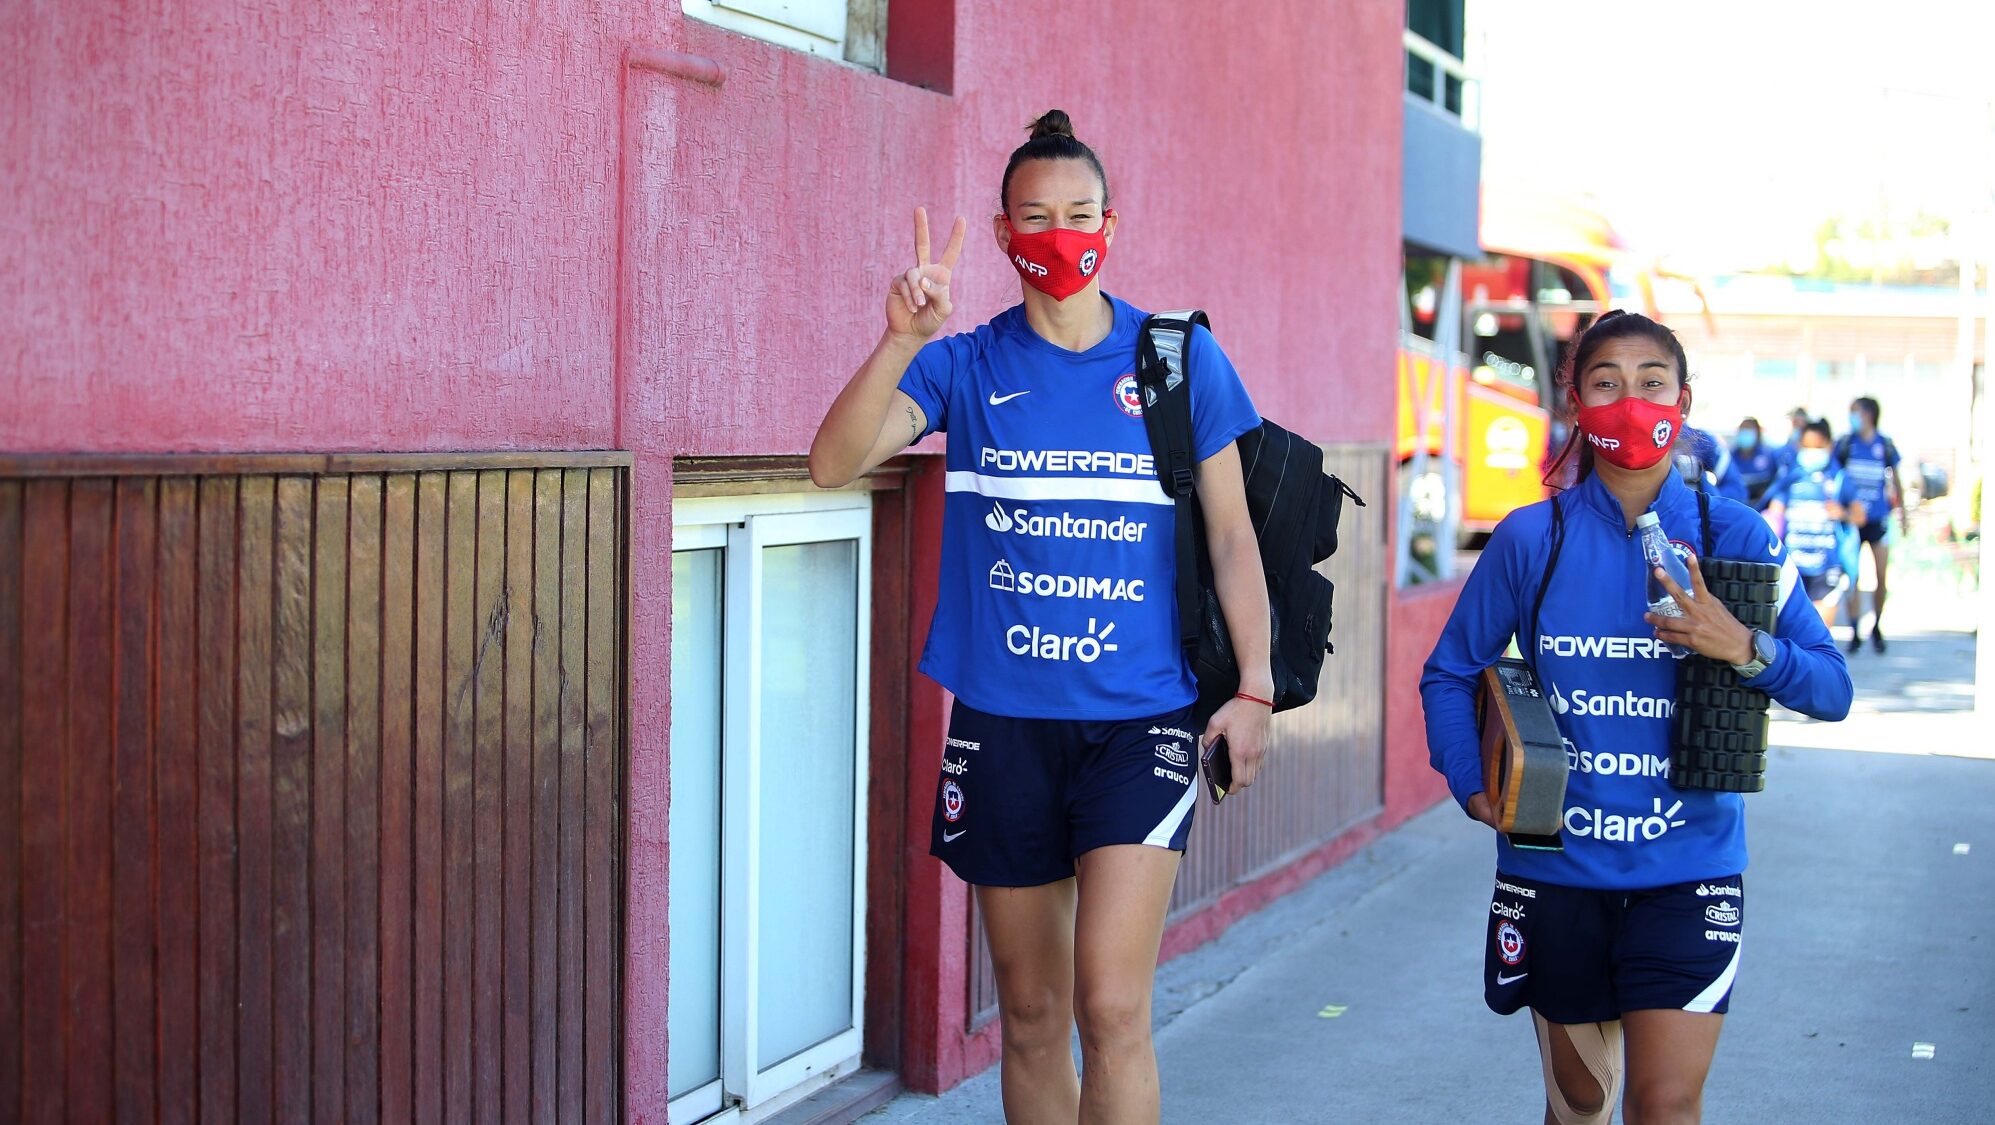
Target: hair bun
[(1052, 123)]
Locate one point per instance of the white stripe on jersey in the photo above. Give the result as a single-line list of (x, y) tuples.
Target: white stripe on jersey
[(1141, 491), (1790, 577)]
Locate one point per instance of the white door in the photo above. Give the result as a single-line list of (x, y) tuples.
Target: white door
[(771, 616)]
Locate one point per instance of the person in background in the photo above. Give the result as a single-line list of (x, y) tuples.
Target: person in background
[(1869, 461), (1797, 422), (1809, 503), (1714, 463), (1758, 466)]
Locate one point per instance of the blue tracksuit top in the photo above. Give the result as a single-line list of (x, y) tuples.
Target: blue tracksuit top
[(1613, 685)]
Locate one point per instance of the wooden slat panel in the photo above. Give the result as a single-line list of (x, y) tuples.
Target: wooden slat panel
[(87, 820), (10, 780), (291, 805), (432, 526), (44, 737), (62, 465), (215, 662), (547, 693), (177, 767), (574, 635), (325, 801), (459, 793), (12, 816), (397, 825), (133, 936), (603, 819), (314, 788), (255, 624), (488, 780), (887, 777), (518, 810), (363, 904)]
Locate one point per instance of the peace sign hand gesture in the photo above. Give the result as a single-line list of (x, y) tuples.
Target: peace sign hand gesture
[(1706, 625), (918, 300)]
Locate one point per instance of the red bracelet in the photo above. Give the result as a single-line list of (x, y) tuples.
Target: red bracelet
[(1268, 703)]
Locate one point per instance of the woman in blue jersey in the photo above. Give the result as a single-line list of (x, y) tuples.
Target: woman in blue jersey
[(1067, 782), (1758, 467), (1626, 943), (1810, 504), (1869, 461)]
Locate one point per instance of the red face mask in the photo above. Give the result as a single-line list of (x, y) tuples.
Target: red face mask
[(1633, 433), (1059, 262)]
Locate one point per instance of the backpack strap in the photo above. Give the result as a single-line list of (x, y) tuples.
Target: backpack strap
[(1161, 375), (1545, 583), (1704, 519)]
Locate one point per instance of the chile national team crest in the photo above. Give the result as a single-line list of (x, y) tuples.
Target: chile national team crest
[(1089, 259), (1664, 431), (952, 801), (1129, 396), (1509, 943)]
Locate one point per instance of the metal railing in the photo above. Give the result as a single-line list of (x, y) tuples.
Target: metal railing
[(1443, 67)]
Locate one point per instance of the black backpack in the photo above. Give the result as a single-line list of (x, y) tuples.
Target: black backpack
[(1294, 506)]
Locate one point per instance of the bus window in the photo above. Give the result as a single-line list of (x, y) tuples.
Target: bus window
[(1425, 273), (1565, 308), (1507, 351)]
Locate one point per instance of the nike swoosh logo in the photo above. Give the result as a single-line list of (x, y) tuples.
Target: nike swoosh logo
[(1501, 979), (999, 400), (1773, 549), (948, 837)]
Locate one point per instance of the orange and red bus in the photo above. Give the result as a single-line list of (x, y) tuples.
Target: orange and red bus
[(1480, 344)]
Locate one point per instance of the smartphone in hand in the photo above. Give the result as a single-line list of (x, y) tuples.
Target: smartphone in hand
[(1217, 767)]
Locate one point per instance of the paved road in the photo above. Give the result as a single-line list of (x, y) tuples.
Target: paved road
[(1358, 998)]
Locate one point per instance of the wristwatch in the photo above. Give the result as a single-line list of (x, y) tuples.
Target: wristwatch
[(1765, 652)]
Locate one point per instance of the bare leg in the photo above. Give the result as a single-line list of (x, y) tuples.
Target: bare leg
[(1669, 1054), (1125, 891), (1854, 599), (1031, 931), (1881, 555)]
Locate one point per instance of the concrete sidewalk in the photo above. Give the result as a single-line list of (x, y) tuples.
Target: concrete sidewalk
[(1358, 998)]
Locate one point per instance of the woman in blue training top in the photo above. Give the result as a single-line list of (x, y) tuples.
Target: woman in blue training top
[(1758, 466), (1869, 461), (1067, 782), (1633, 931), (1811, 506)]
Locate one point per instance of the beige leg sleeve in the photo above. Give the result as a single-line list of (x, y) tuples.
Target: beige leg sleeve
[(1599, 1047)]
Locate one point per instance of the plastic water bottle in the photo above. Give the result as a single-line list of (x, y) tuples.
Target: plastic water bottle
[(1656, 552)]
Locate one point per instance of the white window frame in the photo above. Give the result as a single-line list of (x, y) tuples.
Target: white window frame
[(742, 527), (851, 31)]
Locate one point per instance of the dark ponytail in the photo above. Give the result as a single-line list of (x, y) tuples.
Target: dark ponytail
[(1052, 139), (1613, 324)]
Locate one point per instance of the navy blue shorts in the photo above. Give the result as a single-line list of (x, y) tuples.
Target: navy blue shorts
[(1822, 585), (1875, 530), (1582, 956), (1020, 799)]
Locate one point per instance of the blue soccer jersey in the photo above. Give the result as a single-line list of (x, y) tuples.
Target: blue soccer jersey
[(1613, 685), (1868, 466), (1057, 596), (1814, 539)]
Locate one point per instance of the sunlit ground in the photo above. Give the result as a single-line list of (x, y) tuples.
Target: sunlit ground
[(1918, 696)]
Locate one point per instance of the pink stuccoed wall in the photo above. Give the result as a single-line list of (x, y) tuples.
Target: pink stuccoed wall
[(261, 225)]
